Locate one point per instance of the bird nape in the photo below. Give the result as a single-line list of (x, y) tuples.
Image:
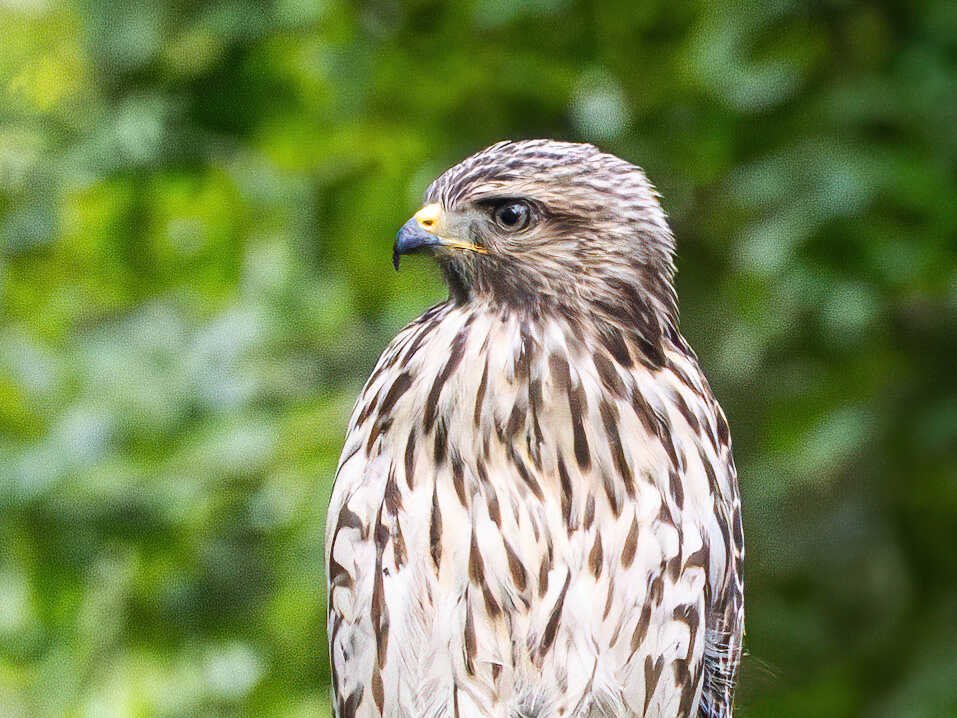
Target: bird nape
[(536, 510)]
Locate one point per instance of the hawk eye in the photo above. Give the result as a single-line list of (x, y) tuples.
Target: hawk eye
[(513, 216)]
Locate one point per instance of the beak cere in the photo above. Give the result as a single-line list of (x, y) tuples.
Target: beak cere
[(423, 231)]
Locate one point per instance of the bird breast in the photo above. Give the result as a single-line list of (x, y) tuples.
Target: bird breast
[(525, 515)]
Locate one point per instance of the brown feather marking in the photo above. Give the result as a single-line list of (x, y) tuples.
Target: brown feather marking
[(516, 420), (699, 559), (399, 553), (609, 595), (440, 447), (349, 519), (392, 501), (379, 616), (494, 510), (339, 576), (458, 479), (367, 409), (737, 527), (551, 628), (480, 396), (664, 513), (577, 404), (609, 418), (379, 610), (677, 490), (566, 497), (668, 443), (515, 567), (713, 484), (641, 628), (522, 360), (595, 556), (435, 531), (589, 512), (491, 606), (380, 426), (683, 680), (673, 567), (689, 615), (534, 405), (610, 493), (558, 366), (609, 375), (469, 639), (455, 357), (398, 388), (392, 497), (523, 472), (723, 432), (614, 342), (348, 707), (377, 689), (543, 571), (686, 412), (648, 417), (631, 544), (652, 674), (476, 564), (426, 323), (410, 460)]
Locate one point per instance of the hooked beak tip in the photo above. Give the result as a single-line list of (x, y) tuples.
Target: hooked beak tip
[(410, 238)]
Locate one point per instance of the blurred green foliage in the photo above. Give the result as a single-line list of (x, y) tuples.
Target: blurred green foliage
[(197, 202)]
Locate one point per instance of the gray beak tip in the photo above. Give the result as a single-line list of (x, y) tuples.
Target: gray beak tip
[(410, 239)]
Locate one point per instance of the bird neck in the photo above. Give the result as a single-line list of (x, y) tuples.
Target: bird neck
[(625, 318)]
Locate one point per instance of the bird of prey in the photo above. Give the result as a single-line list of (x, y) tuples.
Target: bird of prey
[(536, 511)]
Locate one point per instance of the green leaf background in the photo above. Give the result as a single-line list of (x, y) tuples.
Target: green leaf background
[(197, 202)]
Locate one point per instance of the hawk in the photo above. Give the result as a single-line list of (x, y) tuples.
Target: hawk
[(536, 510)]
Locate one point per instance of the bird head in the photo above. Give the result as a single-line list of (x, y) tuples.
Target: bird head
[(540, 223)]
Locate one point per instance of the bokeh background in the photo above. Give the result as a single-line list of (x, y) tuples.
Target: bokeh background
[(197, 204)]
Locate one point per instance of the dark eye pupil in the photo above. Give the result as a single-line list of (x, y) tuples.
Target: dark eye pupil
[(512, 215)]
